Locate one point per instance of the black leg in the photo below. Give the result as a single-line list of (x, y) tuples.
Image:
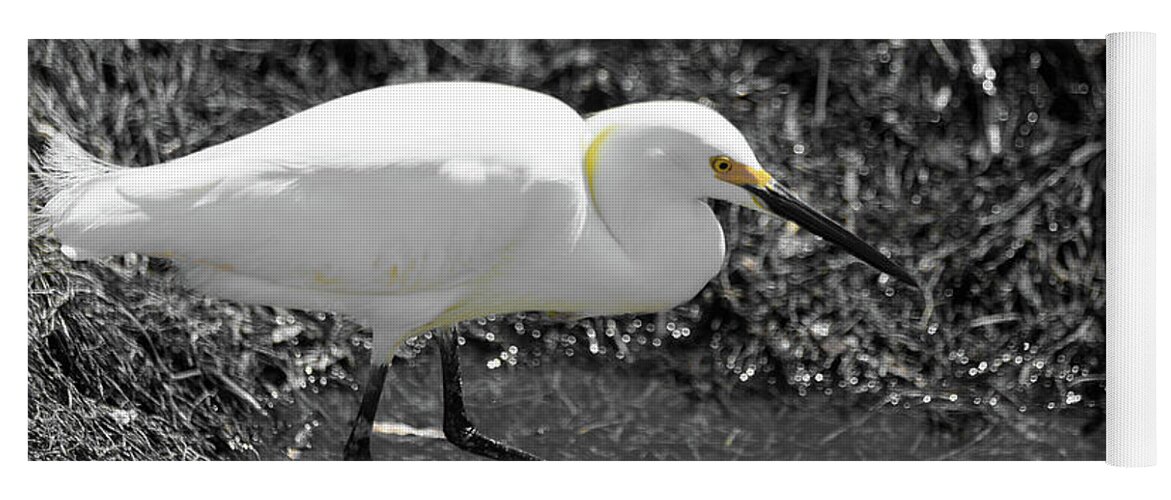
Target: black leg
[(358, 446), (456, 426)]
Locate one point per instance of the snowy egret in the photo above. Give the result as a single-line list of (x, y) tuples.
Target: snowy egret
[(413, 207)]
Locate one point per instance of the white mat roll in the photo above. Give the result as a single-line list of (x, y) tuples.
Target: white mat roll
[(1130, 244)]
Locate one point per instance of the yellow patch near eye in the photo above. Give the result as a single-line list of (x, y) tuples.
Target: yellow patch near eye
[(393, 275), (740, 174)]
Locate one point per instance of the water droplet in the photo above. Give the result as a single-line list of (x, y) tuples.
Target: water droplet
[(1034, 60), (820, 329)]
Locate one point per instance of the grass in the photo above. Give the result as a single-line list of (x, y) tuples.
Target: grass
[(980, 164)]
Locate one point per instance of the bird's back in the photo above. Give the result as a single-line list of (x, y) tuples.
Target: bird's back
[(398, 190)]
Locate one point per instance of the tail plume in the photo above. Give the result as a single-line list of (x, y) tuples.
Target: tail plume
[(63, 174)]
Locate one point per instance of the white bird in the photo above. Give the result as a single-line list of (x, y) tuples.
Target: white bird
[(413, 207)]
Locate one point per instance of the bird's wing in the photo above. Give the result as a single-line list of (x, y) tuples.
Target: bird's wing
[(389, 191), (403, 228)]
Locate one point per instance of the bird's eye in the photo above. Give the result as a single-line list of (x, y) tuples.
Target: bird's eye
[(721, 164)]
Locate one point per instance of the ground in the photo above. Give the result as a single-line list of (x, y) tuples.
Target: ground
[(979, 164)]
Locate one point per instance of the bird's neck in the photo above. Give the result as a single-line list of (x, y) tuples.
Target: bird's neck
[(669, 239)]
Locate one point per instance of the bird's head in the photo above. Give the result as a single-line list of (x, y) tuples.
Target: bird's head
[(692, 150)]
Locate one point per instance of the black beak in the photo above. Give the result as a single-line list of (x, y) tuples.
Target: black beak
[(784, 203)]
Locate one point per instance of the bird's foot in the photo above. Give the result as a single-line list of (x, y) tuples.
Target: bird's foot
[(456, 426), (467, 438)]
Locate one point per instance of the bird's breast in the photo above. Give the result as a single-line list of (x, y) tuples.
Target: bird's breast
[(669, 263)]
